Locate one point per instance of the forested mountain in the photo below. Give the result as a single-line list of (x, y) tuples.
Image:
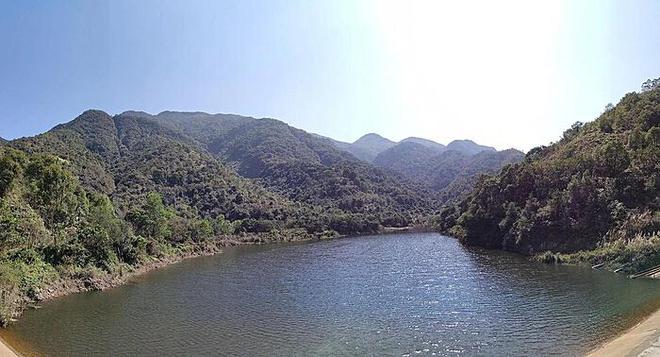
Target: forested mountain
[(2, 141), (596, 189), (439, 169), (370, 146), (102, 195), (303, 167), (428, 143), (183, 157), (468, 147), (366, 148)]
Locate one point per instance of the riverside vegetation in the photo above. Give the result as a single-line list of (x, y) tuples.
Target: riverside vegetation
[(591, 198), (102, 196), (99, 197)]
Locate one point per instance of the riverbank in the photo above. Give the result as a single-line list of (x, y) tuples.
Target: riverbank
[(6, 350), (97, 280), (642, 339)]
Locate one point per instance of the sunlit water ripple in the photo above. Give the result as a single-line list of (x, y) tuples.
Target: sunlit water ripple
[(404, 294)]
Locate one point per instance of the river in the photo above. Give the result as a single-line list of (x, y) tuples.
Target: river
[(397, 294)]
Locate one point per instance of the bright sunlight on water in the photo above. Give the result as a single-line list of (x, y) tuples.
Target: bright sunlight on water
[(402, 294)]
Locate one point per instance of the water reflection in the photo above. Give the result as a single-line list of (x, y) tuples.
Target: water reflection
[(396, 294)]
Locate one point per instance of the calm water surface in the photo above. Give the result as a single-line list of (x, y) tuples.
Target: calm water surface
[(404, 294)]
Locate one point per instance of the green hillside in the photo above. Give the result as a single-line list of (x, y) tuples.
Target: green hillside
[(594, 192), (305, 168), (450, 172)]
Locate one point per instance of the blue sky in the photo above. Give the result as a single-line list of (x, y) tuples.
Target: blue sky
[(506, 73)]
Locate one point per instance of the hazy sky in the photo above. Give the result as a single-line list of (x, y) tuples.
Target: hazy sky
[(507, 74)]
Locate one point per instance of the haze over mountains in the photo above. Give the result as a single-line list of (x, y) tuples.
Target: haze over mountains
[(450, 170), (369, 146)]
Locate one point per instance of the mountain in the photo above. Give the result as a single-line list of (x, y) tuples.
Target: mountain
[(428, 143), (450, 171), (468, 147), (594, 192), (368, 146), (408, 158), (3, 141), (127, 157), (231, 165), (102, 195), (302, 166)]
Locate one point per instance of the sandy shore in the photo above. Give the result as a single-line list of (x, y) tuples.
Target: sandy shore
[(5, 350), (642, 340)]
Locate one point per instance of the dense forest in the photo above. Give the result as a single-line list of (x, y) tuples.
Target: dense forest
[(590, 197), (450, 170), (447, 171), (102, 196)]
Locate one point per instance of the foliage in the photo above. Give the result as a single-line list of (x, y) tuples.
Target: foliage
[(449, 171), (597, 188)]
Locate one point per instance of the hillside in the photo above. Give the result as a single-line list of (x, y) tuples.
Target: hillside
[(304, 167), (101, 196), (370, 146), (449, 171), (240, 167), (594, 191), (428, 143), (367, 147), (128, 157), (468, 147), (56, 236)]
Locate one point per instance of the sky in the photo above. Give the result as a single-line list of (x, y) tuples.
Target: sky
[(502, 73)]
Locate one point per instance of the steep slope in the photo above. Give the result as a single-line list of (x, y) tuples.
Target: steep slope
[(597, 188), (304, 167), (408, 158), (2, 141), (129, 156), (483, 163), (468, 147)]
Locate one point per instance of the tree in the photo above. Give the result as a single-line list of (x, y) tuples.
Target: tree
[(152, 219), (573, 130), (651, 84), (54, 192), (611, 159)]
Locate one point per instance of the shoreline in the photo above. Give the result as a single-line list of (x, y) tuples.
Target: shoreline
[(6, 350), (66, 287), (644, 337)]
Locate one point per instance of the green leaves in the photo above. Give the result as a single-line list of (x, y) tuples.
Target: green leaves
[(575, 194)]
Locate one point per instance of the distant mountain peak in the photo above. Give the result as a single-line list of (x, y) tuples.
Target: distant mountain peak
[(468, 147), (136, 113), (373, 137), (370, 145), (90, 118), (426, 142)]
